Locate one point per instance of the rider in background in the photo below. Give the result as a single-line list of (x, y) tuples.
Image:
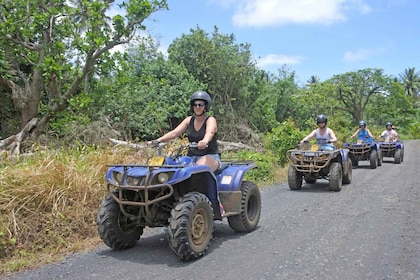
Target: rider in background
[(323, 134), (201, 129), (389, 133), (363, 133)]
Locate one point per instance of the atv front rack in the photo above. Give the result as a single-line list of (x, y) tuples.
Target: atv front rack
[(388, 147), (309, 161), (358, 149)]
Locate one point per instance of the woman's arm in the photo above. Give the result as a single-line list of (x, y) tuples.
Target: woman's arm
[(332, 135), (309, 136), (176, 132), (354, 134)]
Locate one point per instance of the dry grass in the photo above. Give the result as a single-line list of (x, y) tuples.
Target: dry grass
[(49, 202)]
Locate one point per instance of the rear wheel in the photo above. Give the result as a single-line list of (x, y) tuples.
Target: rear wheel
[(115, 229), (248, 219), (373, 159), (191, 226), (336, 176), (294, 178)]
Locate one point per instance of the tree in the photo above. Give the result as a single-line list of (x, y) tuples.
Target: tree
[(224, 66), (51, 47), (411, 81), (148, 96), (355, 89), (313, 80)]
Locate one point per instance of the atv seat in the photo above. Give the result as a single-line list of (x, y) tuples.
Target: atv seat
[(222, 167)]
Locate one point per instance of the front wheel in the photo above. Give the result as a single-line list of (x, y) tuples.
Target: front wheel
[(191, 226), (347, 177), (380, 158), (294, 178), (397, 156), (336, 177), (248, 219), (373, 158), (115, 229)]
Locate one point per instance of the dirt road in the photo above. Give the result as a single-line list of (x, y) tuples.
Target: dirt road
[(369, 230)]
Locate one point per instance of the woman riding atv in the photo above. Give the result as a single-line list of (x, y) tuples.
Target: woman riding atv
[(362, 132), (201, 129), (323, 134)]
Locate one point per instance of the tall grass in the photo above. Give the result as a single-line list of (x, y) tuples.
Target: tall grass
[(49, 202)]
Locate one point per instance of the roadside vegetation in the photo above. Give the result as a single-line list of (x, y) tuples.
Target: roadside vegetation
[(65, 94)]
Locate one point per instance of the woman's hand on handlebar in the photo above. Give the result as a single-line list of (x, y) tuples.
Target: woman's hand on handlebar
[(153, 143)]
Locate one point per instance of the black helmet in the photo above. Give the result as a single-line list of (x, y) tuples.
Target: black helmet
[(321, 119), (388, 124), (200, 95), (362, 123)]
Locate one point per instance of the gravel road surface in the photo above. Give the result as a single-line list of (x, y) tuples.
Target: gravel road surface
[(368, 230)]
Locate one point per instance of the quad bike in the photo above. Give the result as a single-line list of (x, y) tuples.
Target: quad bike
[(173, 192), (392, 148), (365, 149), (312, 162)]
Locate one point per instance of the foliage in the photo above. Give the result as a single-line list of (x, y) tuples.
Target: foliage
[(414, 130), (52, 47), (282, 138), (264, 172), (49, 201), (284, 87), (318, 99), (411, 82), (259, 103), (355, 89), (149, 96), (224, 66)]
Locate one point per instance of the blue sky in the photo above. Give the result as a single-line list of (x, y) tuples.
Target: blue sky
[(310, 37)]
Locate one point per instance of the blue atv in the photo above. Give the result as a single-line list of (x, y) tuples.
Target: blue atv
[(392, 148), (313, 162), (365, 149), (173, 192)]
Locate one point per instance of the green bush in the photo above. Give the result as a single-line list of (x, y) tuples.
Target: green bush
[(282, 138), (414, 130), (264, 171)]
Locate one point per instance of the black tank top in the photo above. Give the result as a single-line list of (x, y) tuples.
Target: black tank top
[(198, 135)]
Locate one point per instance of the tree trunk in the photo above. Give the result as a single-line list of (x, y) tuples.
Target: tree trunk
[(12, 143)]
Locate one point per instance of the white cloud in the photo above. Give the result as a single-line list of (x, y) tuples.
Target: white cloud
[(273, 59), (361, 54), (281, 12)]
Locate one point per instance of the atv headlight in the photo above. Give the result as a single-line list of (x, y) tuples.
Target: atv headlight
[(117, 176), (163, 177)]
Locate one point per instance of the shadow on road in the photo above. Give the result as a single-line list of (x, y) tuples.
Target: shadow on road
[(154, 249)]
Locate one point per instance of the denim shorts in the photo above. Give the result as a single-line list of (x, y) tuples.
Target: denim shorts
[(215, 156)]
